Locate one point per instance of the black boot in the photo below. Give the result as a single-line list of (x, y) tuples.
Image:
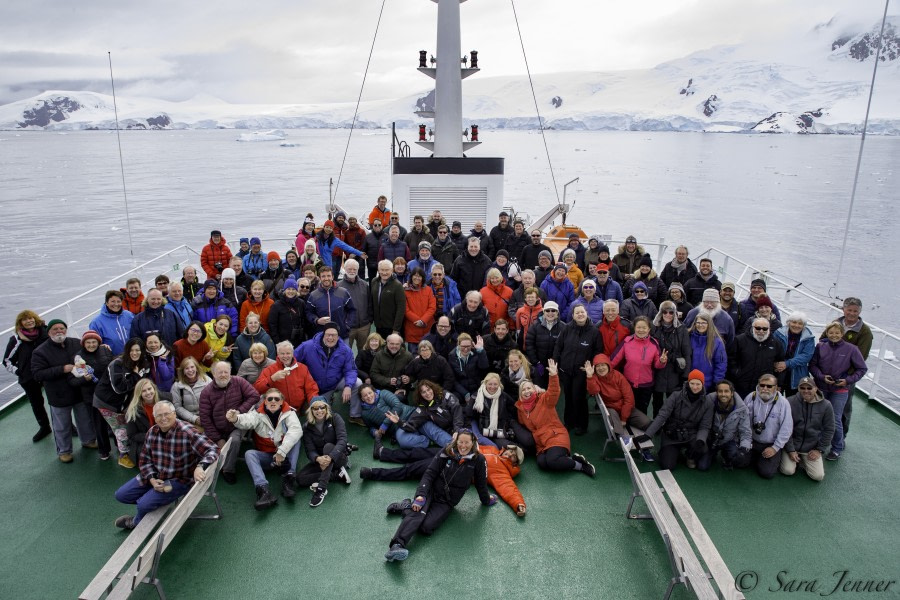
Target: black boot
[(397, 508), (288, 485), (376, 449), (43, 432), (264, 498)]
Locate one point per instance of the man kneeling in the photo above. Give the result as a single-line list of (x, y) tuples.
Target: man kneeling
[(813, 420), (173, 457), (276, 431)]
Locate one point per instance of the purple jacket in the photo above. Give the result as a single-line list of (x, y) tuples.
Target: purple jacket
[(216, 401), (836, 360)]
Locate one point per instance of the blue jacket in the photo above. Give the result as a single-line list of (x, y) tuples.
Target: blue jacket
[(714, 371), (182, 309), (159, 320), (205, 310), (611, 291), (798, 365), (594, 309), (335, 303), (373, 414), (561, 292), (451, 295), (327, 370), (255, 264), (425, 266), (326, 247), (162, 371), (114, 329)]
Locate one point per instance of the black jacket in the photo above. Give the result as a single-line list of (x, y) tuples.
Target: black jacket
[(48, 363), (448, 478), (137, 431), (364, 360), (499, 238), (443, 346), (528, 257), (515, 244), (465, 321), (19, 354), (468, 373), (681, 420), (695, 286), (445, 413), (469, 272), (484, 417), (749, 359), (99, 361), (576, 345), (334, 432), (435, 369), (669, 274), (116, 386), (445, 253), (497, 351), (540, 341), (677, 341), (287, 321), (389, 309)]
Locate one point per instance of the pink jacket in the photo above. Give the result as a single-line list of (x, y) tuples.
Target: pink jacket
[(641, 356)]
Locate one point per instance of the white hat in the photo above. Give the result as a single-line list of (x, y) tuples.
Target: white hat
[(551, 304)]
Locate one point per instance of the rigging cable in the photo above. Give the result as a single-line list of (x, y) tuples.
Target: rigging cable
[(534, 96), (356, 111), (121, 162), (862, 144)]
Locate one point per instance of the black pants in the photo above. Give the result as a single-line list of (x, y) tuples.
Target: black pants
[(103, 431), (524, 438), (413, 470), (384, 331), (766, 467), (33, 389), (658, 399), (407, 455), (574, 388), (642, 399), (668, 455), (556, 459), (426, 521), (312, 472)]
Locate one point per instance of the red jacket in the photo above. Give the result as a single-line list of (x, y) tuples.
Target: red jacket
[(613, 334), (527, 316), (212, 254), (420, 305), (356, 237), (298, 387), (496, 301), (614, 389), (500, 473), (133, 305), (543, 420)]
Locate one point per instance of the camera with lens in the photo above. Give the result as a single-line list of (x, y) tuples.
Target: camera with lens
[(715, 439), (219, 266), (499, 434), (678, 434), (759, 427)]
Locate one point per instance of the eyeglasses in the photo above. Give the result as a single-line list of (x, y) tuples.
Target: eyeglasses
[(760, 328), (551, 310), (304, 287), (805, 387), (668, 311), (466, 347), (273, 398), (766, 385), (320, 407)]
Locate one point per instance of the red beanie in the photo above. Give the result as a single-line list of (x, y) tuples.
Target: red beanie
[(329, 223), (273, 256), (697, 374)]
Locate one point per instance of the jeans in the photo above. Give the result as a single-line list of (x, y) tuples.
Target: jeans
[(428, 432), (259, 461), (355, 407), (730, 457), (838, 402), (482, 440), (61, 419), (148, 499)]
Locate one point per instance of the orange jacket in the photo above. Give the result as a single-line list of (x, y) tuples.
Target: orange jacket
[(420, 306), (133, 305), (496, 301), (614, 389), (212, 254), (384, 215), (298, 387), (500, 473), (543, 421), (527, 316), (260, 308), (576, 277)]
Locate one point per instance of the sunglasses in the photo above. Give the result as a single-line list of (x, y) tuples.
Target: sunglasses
[(320, 407), (805, 387), (304, 287), (550, 310), (766, 385), (536, 236), (273, 398), (636, 292), (760, 328), (668, 311)]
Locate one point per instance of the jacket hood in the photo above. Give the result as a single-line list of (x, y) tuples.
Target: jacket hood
[(222, 241), (602, 359), (651, 275), (638, 249)]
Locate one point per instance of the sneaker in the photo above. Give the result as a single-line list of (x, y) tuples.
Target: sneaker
[(314, 487), (230, 477), (41, 434), (104, 456), (344, 476), (90, 445), (586, 467), (288, 485), (397, 508), (365, 473), (125, 461), (264, 498), (690, 463), (352, 448), (357, 421), (830, 456), (318, 497), (65, 457), (397, 552), (125, 522), (647, 456)]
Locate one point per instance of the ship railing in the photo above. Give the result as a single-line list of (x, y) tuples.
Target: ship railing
[(881, 383)]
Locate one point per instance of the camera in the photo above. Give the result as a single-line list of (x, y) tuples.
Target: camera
[(219, 266), (759, 427), (500, 434), (715, 438), (679, 434)]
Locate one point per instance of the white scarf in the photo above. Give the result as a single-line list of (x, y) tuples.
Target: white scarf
[(495, 405)]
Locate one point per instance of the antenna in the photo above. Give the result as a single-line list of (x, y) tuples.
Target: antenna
[(112, 81)]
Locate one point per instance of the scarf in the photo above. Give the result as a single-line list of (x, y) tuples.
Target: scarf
[(159, 352), (679, 267), (528, 405), (29, 334), (495, 405), (148, 410), (516, 376)]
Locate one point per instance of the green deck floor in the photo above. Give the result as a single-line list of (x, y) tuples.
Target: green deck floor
[(57, 530)]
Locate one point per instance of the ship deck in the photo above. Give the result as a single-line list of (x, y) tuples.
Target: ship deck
[(575, 541)]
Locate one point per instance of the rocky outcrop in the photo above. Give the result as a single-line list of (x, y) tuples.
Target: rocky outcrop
[(865, 45), (711, 105), (688, 90), (556, 101), (783, 122), (49, 111)]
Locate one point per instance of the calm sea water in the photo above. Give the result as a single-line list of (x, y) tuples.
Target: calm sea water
[(778, 202)]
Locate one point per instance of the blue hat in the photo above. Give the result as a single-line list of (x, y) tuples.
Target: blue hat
[(245, 240), (640, 285), (254, 241), (290, 282)]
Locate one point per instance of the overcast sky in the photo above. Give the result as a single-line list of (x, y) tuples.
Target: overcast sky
[(302, 51)]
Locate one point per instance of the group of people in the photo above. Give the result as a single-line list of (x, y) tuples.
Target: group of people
[(464, 345)]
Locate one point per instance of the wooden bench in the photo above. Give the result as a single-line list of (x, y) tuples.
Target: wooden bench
[(615, 430), (694, 559), (159, 537)]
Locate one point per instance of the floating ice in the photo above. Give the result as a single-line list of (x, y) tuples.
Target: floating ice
[(272, 135)]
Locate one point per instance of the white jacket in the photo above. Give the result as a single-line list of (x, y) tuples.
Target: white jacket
[(284, 435)]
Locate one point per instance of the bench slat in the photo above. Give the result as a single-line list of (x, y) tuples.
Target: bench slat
[(704, 543), (668, 524)]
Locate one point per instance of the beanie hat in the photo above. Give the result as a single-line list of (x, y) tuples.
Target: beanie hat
[(290, 282), (589, 283), (228, 273), (574, 236), (331, 325), (631, 238), (214, 233), (697, 374), (646, 260), (328, 223), (560, 266), (760, 282), (676, 286), (309, 219), (710, 295), (53, 322), (545, 254), (551, 305), (340, 213), (424, 244), (273, 256), (254, 241), (456, 224), (245, 240), (90, 334), (640, 285), (503, 252), (764, 300), (603, 248), (211, 283)]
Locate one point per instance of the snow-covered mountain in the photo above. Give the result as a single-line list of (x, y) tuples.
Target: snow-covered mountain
[(814, 82)]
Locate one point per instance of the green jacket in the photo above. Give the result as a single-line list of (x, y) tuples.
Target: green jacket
[(388, 309)]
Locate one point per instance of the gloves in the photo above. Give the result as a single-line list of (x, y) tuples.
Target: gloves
[(682, 363), (492, 500), (420, 502), (699, 448), (640, 439)]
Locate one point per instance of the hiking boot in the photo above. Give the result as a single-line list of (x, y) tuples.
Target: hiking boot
[(104, 456), (833, 455), (357, 421), (397, 552), (586, 467), (288, 485), (378, 447), (647, 456), (318, 497), (397, 508), (365, 473), (125, 461), (352, 448), (125, 522), (43, 432), (264, 498), (344, 476), (90, 445), (66, 457), (230, 477)]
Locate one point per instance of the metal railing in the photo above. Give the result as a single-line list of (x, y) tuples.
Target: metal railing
[(881, 383)]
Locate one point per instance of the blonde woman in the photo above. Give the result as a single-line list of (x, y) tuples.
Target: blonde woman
[(488, 412), (325, 441), (190, 379), (250, 368), (139, 414)]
